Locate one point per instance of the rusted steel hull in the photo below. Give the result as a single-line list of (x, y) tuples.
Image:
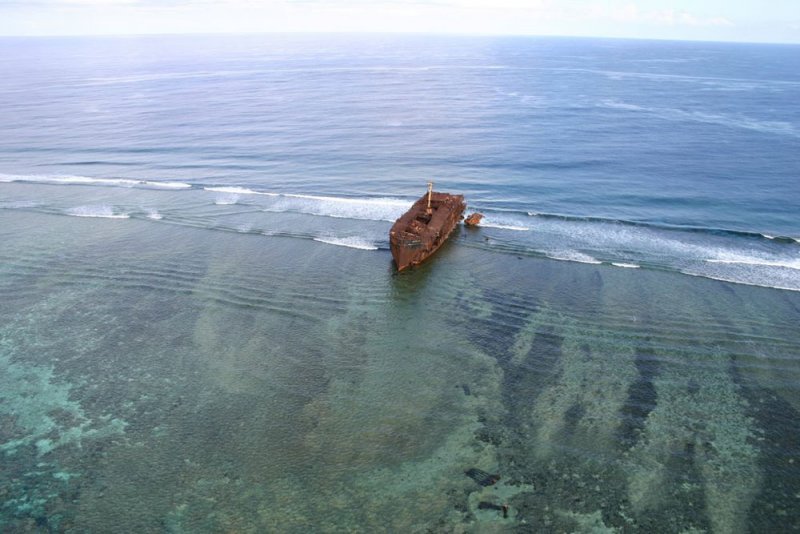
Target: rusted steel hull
[(417, 234)]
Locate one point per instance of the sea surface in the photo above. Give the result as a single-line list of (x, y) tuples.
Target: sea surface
[(201, 329)]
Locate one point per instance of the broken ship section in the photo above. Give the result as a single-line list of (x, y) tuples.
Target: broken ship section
[(420, 232)]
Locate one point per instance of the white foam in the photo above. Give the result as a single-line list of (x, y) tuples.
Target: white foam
[(506, 221), (351, 242), (625, 265), (346, 200), (745, 260), (239, 191), (756, 268), (372, 209), (572, 255), (85, 180), (505, 226), (153, 214), (163, 185), (105, 212)]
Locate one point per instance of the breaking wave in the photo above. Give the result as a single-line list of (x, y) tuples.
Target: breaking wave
[(373, 209), (764, 262), (104, 212), (572, 255), (350, 242), (505, 226), (236, 190), (745, 257), (502, 224), (85, 180), (367, 208), (651, 225), (781, 238)]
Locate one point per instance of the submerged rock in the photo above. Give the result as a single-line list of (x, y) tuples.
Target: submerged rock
[(473, 219), (482, 477)]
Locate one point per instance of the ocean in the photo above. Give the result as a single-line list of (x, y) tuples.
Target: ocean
[(201, 329)]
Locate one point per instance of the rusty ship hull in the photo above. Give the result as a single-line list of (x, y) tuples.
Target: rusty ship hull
[(419, 232)]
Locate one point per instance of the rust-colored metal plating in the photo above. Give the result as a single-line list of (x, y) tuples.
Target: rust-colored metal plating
[(420, 231), (474, 219)]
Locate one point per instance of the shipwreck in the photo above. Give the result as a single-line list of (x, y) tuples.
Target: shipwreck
[(420, 231)]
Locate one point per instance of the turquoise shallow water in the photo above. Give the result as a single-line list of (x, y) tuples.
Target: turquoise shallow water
[(201, 329), (212, 382)]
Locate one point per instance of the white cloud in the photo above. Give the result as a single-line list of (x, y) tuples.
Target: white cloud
[(632, 14), (720, 21), (626, 13), (673, 17), (529, 5)]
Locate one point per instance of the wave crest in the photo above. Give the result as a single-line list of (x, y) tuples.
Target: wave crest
[(237, 190), (572, 255), (86, 180), (350, 242), (104, 212)]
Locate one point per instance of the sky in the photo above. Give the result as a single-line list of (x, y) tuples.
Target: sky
[(707, 20)]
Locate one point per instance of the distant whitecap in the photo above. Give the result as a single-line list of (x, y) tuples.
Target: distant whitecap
[(226, 200), (105, 212)]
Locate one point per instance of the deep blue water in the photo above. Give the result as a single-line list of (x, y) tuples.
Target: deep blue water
[(200, 329), (628, 140)]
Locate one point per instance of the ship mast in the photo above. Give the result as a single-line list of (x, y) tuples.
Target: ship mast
[(430, 193)]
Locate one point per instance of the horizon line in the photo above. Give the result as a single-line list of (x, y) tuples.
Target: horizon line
[(393, 33)]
